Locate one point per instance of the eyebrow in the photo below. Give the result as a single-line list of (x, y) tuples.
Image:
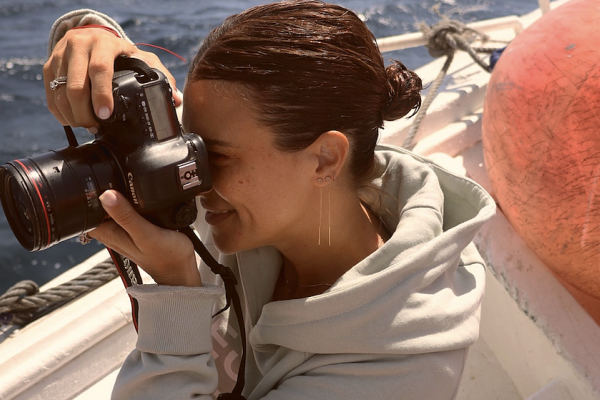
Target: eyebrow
[(218, 142)]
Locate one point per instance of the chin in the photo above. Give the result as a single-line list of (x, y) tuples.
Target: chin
[(227, 246), (228, 243)]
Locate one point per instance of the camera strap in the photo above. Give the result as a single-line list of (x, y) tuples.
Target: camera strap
[(124, 63), (130, 275), (233, 298)]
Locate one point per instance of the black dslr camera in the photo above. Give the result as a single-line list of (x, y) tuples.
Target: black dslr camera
[(140, 150)]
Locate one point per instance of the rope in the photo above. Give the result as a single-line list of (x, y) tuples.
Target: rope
[(444, 39), (23, 302), (414, 128), (487, 50), (447, 36)]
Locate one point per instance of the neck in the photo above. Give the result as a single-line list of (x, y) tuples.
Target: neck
[(310, 268)]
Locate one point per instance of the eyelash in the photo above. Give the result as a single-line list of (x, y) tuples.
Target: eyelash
[(212, 155)]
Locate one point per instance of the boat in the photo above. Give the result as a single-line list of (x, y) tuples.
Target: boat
[(537, 342)]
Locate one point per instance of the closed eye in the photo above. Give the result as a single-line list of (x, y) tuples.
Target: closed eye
[(216, 157)]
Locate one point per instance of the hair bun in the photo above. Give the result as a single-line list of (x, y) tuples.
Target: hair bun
[(404, 92)]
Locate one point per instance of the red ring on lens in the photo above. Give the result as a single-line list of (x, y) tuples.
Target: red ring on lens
[(29, 173)]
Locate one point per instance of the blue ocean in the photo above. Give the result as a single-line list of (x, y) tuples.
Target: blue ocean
[(27, 128)]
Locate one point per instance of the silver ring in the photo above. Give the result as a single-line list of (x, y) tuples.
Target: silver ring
[(84, 238), (61, 80)]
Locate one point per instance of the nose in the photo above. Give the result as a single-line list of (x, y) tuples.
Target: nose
[(208, 192), (204, 195), (208, 197)]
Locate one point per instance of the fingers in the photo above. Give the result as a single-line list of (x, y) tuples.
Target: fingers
[(97, 72), (153, 61), (122, 213), (108, 234), (71, 103), (50, 71), (86, 57), (101, 70)]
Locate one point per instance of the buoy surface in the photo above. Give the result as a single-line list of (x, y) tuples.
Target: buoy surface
[(541, 139)]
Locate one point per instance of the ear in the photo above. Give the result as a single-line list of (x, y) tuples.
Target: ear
[(331, 151)]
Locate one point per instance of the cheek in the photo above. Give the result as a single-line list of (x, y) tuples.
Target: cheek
[(264, 185), (235, 185)]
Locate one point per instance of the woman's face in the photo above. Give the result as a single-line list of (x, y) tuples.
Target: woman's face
[(261, 195)]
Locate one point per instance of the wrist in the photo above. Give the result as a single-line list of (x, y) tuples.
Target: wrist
[(188, 276)]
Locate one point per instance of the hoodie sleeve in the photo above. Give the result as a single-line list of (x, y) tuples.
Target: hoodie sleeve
[(172, 358), (80, 18)]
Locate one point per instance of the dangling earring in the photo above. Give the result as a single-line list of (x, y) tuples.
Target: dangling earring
[(320, 180), (328, 179)]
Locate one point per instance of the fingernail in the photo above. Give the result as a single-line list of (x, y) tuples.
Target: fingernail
[(108, 198), (103, 113), (93, 130)]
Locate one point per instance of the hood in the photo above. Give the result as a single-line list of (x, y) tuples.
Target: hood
[(420, 292)]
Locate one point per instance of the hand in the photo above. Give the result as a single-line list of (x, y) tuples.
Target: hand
[(85, 55), (168, 256)]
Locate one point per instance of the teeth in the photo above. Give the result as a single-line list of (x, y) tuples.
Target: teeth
[(219, 212)]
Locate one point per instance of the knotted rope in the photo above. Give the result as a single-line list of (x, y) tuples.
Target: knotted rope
[(444, 39), (23, 302), (448, 36)]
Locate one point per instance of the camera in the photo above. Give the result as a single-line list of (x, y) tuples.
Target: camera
[(140, 150)]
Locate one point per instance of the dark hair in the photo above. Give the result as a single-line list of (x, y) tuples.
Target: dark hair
[(311, 67)]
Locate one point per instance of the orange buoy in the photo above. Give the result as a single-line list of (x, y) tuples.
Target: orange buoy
[(541, 139)]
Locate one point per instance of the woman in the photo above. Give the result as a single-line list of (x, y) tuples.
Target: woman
[(355, 268)]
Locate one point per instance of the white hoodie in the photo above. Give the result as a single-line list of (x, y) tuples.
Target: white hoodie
[(396, 326)]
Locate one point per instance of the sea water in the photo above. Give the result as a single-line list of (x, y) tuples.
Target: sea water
[(27, 128)]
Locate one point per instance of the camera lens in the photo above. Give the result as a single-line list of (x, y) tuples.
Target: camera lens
[(22, 207), (54, 196), (22, 203)]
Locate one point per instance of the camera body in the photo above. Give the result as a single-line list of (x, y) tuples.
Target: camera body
[(140, 150), (163, 169)]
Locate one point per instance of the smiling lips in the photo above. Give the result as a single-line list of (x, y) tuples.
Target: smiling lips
[(215, 217)]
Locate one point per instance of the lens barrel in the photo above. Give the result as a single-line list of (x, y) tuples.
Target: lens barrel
[(54, 196)]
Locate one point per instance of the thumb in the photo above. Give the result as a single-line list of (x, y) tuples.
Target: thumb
[(122, 212)]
